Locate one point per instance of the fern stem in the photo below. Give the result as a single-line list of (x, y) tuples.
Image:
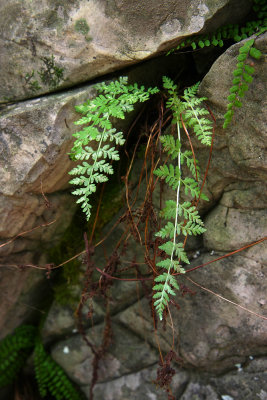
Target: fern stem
[(176, 218), (96, 158)]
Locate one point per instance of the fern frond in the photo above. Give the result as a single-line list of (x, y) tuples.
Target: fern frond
[(190, 162), (14, 351), (51, 378), (113, 101), (170, 173), (242, 78), (189, 108), (171, 146)]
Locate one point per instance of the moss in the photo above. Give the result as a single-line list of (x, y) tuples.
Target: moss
[(81, 26), (70, 274), (112, 202)]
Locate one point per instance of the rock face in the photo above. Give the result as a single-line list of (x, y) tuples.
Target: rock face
[(35, 135), (46, 45), (221, 347)]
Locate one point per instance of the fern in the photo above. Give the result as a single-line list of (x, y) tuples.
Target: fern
[(231, 31), (189, 108), (51, 378), (114, 100), (14, 351), (242, 78), (243, 72)]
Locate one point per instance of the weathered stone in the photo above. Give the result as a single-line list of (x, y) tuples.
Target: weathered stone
[(195, 391), (136, 386), (126, 353), (239, 156), (22, 296), (35, 139), (212, 334), (230, 228), (247, 382), (47, 45)]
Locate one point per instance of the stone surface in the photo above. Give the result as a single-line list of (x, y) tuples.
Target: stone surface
[(247, 382), (23, 295), (46, 45), (139, 385), (126, 353), (222, 347), (35, 138), (195, 391)]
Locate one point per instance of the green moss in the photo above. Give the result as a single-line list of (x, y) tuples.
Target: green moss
[(81, 26), (112, 202), (69, 275)]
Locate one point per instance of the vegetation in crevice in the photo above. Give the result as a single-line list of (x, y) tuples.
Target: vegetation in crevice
[(50, 74), (71, 275), (16, 348)]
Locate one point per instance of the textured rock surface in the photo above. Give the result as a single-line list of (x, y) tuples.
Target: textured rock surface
[(221, 346), (47, 45), (35, 138)]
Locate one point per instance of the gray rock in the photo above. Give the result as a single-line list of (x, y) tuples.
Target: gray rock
[(247, 382), (196, 391), (47, 45), (127, 353), (136, 386), (35, 137)]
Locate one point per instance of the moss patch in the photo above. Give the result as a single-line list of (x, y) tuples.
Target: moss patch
[(81, 26), (69, 275)]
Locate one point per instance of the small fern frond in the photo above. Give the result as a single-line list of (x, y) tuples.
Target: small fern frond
[(230, 31), (51, 378), (170, 173), (189, 108), (193, 116), (14, 351), (242, 78), (170, 145), (113, 101)]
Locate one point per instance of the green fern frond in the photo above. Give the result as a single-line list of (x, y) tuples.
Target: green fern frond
[(113, 101), (234, 32), (51, 378), (189, 108), (242, 78), (14, 351)]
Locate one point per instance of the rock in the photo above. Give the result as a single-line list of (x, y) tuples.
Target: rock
[(23, 297), (226, 334), (138, 385), (195, 391), (230, 229), (238, 152), (247, 382), (46, 45), (127, 353), (35, 138), (211, 333)]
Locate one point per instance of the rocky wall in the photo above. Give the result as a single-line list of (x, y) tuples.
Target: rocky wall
[(221, 347)]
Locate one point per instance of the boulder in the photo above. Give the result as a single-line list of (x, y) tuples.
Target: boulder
[(47, 45)]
